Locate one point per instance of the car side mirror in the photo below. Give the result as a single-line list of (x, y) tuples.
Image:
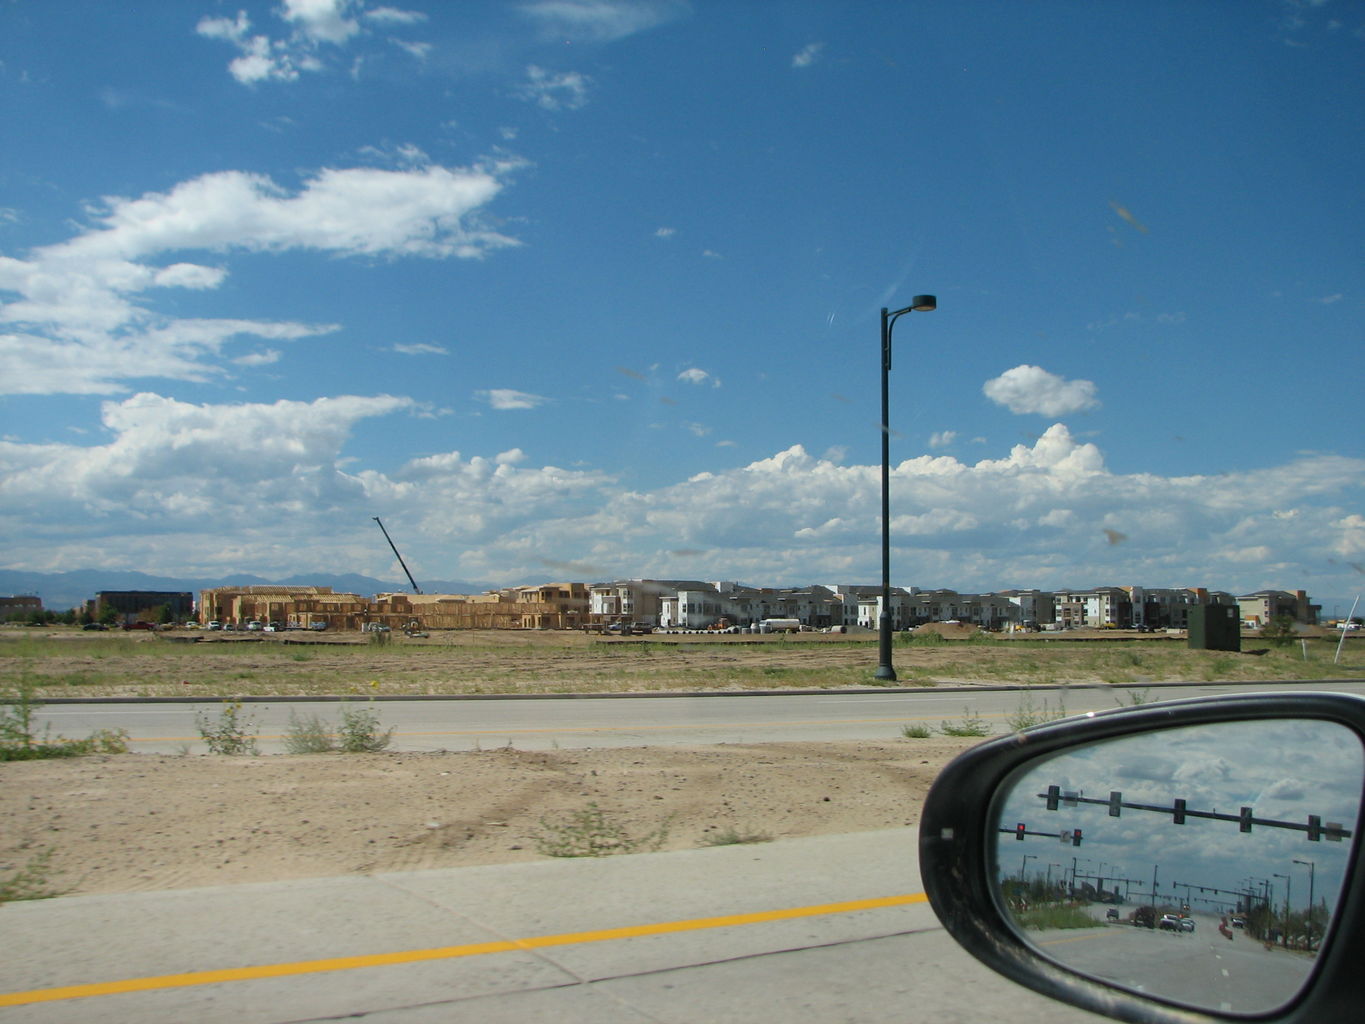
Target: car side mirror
[(1194, 860)]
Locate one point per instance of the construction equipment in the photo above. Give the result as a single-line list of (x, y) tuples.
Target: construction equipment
[(415, 588)]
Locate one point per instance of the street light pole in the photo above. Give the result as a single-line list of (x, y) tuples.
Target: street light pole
[(920, 304), (1308, 920)]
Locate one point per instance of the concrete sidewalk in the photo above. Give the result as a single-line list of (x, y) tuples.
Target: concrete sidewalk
[(803, 930)]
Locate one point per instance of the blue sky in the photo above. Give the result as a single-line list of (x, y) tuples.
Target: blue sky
[(587, 289)]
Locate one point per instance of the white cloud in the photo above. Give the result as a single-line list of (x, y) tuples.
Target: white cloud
[(82, 324), (271, 480), (421, 349), (313, 31), (1031, 389), (507, 398), (567, 90), (808, 55), (394, 16), (665, 232), (697, 376), (942, 438), (601, 21), (321, 21)]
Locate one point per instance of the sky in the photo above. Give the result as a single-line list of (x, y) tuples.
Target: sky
[(590, 289)]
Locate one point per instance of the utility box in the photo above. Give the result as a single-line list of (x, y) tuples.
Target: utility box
[(1215, 627)]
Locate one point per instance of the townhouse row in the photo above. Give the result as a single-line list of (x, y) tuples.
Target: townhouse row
[(697, 604)]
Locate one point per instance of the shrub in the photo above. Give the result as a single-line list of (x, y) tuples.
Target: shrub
[(916, 732)]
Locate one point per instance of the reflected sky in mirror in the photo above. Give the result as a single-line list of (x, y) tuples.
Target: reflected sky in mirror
[(1183, 862)]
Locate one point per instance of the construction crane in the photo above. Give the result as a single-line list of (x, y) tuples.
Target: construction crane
[(415, 588)]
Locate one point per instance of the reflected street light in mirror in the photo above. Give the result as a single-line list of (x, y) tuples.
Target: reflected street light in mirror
[(1308, 918), (920, 304)]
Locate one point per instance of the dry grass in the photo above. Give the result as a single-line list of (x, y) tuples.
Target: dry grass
[(70, 663)]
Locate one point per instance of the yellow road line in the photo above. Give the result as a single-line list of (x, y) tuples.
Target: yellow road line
[(350, 963)]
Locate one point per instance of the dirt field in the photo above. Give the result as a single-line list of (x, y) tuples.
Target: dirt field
[(137, 821), (141, 822)]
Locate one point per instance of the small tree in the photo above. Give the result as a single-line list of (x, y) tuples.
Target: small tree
[(1279, 631)]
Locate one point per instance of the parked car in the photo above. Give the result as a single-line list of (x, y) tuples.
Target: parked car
[(1187, 924), (94, 626), (215, 624), (318, 627), (1111, 914), (1169, 923), (255, 626)]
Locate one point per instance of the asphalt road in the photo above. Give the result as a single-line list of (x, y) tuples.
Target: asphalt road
[(566, 723)]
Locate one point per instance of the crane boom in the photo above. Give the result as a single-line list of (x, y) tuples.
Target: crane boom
[(415, 588)]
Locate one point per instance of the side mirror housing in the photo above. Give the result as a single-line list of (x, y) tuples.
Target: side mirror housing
[(1194, 860)]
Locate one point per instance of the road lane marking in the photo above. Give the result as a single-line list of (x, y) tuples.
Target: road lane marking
[(350, 963)]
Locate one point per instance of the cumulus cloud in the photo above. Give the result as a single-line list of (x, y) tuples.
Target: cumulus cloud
[(271, 483), (84, 317), (313, 30), (1031, 389), (808, 55)]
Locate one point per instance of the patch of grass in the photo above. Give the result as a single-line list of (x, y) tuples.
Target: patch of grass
[(230, 733), (592, 832), (30, 882), (734, 837), (916, 732), (971, 724)]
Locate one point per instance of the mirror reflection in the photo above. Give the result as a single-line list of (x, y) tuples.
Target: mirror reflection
[(1200, 864)]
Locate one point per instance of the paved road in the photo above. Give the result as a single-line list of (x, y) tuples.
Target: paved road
[(541, 724), (801, 931)]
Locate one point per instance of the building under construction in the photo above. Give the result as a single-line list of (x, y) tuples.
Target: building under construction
[(549, 606)]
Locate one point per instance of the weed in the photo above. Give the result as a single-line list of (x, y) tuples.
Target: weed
[(310, 735), (1135, 697), (916, 732), (591, 832), (231, 733), (18, 705), (18, 742), (30, 882), (1026, 714), (359, 733), (972, 724), (734, 837)]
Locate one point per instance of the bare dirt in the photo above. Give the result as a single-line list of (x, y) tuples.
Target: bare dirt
[(135, 822)]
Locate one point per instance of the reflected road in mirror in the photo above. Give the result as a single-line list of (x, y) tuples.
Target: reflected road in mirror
[(1201, 865)]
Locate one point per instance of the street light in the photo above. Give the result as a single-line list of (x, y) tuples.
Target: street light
[(1288, 890), (920, 304)]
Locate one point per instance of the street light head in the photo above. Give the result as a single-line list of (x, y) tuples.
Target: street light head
[(924, 304)]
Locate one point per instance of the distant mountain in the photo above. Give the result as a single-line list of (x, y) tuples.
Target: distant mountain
[(62, 590)]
